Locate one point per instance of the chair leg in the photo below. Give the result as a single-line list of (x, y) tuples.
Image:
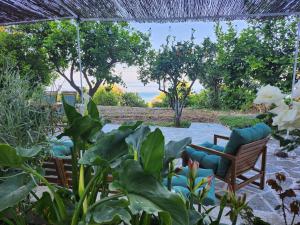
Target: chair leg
[(263, 168), (185, 158)]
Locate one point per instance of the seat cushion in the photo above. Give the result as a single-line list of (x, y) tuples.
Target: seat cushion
[(240, 137), (180, 184), (210, 162), (206, 161), (62, 149)]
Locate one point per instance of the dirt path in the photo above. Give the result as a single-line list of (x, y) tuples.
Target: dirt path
[(118, 114)]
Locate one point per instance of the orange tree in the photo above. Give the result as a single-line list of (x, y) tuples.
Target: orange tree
[(175, 68)]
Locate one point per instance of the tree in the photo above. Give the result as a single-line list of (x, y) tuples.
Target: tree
[(103, 45), (29, 55), (258, 55), (175, 68), (213, 76), (273, 62)]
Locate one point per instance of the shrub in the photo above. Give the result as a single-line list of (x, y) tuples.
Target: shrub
[(198, 100), (160, 101), (237, 98), (107, 96), (25, 121), (132, 99)]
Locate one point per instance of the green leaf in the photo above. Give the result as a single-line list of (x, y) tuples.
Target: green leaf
[(130, 125), (108, 147), (92, 110), (84, 127), (135, 139), (110, 212), (152, 153), (15, 189), (9, 157), (70, 112), (173, 150), (147, 194), (28, 152), (165, 218), (195, 217)]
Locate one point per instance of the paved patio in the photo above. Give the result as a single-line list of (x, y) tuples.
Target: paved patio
[(262, 201)]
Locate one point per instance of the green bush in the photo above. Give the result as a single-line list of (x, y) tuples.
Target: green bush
[(237, 98), (107, 97), (233, 121), (132, 99), (198, 100)]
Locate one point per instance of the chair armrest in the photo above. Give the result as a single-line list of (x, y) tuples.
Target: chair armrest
[(216, 136), (214, 152)]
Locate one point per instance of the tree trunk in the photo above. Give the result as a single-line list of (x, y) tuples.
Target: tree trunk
[(178, 113)]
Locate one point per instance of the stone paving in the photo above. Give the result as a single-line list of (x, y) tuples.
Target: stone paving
[(262, 201)]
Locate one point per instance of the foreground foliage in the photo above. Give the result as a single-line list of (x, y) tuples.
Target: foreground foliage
[(137, 159), (25, 119)]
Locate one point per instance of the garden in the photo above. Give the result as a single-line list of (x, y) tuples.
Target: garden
[(228, 154)]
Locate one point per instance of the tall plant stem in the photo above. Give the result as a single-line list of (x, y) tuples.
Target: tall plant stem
[(74, 154), (82, 198), (171, 168), (292, 223), (283, 210)]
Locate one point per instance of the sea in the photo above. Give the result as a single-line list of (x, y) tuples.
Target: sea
[(148, 96)]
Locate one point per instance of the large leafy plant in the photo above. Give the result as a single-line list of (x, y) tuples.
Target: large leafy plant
[(134, 156)]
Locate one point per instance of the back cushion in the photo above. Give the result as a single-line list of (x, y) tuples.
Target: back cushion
[(240, 137)]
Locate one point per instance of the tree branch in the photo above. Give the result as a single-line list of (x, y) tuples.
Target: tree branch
[(70, 81), (87, 79), (93, 90)]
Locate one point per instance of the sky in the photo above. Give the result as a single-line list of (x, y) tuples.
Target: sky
[(159, 32)]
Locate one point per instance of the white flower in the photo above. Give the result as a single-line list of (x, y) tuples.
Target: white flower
[(269, 95), (288, 118), (281, 106)]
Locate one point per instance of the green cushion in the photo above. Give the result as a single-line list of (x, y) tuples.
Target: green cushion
[(62, 149), (180, 182), (213, 146), (195, 155), (206, 161), (240, 137), (210, 162)]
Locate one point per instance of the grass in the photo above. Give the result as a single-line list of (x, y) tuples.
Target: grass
[(183, 124), (233, 121)]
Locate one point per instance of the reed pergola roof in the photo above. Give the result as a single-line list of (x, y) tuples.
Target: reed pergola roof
[(24, 11)]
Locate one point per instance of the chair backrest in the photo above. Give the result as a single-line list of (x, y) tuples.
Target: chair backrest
[(50, 97), (70, 97), (58, 171), (248, 155)]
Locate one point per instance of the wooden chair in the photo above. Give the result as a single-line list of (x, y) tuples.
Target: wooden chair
[(244, 161), (59, 171)]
